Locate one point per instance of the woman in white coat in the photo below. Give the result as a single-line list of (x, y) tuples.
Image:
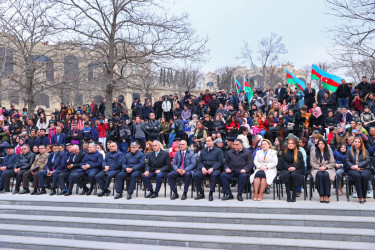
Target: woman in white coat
[(265, 162)]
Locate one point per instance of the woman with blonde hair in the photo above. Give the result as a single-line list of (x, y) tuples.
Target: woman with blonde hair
[(265, 162), (357, 161)]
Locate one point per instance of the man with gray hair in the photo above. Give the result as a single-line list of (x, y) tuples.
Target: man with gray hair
[(23, 164), (74, 165), (158, 164), (132, 167)]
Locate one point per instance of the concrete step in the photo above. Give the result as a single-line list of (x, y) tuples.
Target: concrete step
[(87, 237), (198, 217), (15, 242), (233, 206), (266, 231)]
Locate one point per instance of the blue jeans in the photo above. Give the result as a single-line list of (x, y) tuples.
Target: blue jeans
[(262, 133), (343, 102), (171, 138)]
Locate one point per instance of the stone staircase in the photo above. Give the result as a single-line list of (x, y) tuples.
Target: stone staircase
[(76, 222)]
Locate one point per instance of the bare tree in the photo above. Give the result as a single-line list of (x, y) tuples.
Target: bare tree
[(27, 26), (267, 57), (225, 78), (130, 31), (355, 31)]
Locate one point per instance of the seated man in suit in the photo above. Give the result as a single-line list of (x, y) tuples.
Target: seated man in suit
[(59, 137), (210, 163), (237, 164), (158, 164), (42, 139), (111, 167), (38, 165), (91, 166), (56, 165), (74, 165), (8, 164), (183, 166), (133, 165), (25, 160)]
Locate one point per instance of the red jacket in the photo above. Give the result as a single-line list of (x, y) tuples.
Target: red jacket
[(102, 128)]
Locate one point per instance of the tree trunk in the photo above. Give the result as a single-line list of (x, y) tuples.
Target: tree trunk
[(108, 97), (30, 97)]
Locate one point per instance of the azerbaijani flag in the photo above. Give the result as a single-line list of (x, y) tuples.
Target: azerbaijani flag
[(238, 86), (248, 90), (330, 82), (291, 79)]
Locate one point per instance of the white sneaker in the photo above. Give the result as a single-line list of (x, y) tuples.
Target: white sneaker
[(369, 194), (355, 195)]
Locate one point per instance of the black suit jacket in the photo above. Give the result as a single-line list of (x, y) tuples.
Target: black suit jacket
[(162, 162), (282, 94), (77, 161)]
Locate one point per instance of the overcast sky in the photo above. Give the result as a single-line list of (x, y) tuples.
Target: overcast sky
[(302, 24)]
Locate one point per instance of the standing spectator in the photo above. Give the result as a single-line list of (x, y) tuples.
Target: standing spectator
[(280, 92), (213, 105), (139, 132), (152, 128), (75, 135), (206, 96), (343, 94), (102, 107), (363, 87), (146, 110), (124, 111), (166, 107), (158, 108)]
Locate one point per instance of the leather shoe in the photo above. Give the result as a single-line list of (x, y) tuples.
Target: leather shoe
[(210, 196), (118, 196), (129, 196), (149, 194), (43, 191), (62, 192), (68, 193), (25, 191), (227, 197), (107, 192), (183, 197), (239, 197), (154, 195), (174, 196), (89, 192), (199, 196), (101, 193), (16, 191), (53, 192), (34, 192), (84, 191)]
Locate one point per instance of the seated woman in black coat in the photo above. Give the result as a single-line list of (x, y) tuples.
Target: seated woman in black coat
[(330, 120), (293, 170), (218, 128), (357, 160)]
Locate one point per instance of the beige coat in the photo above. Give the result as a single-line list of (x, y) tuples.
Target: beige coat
[(40, 162), (330, 164), (270, 161)]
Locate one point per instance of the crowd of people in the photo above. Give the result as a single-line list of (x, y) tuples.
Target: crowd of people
[(214, 137)]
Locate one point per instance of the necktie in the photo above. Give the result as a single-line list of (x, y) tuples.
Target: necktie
[(183, 161)]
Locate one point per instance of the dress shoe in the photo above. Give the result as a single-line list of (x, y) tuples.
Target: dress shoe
[(101, 193), (89, 192), (154, 195), (53, 192), (4, 192), (43, 191), (107, 192), (174, 196), (149, 194), (129, 196), (199, 196), (34, 192), (210, 196), (16, 191), (239, 197), (62, 192), (84, 191), (227, 197), (183, 197), (25, 191), (118, 196), (294, 196), (68, 193)]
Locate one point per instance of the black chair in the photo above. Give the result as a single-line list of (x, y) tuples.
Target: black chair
[(179, 181), (208, 178), (349, 182), (85, 180)]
